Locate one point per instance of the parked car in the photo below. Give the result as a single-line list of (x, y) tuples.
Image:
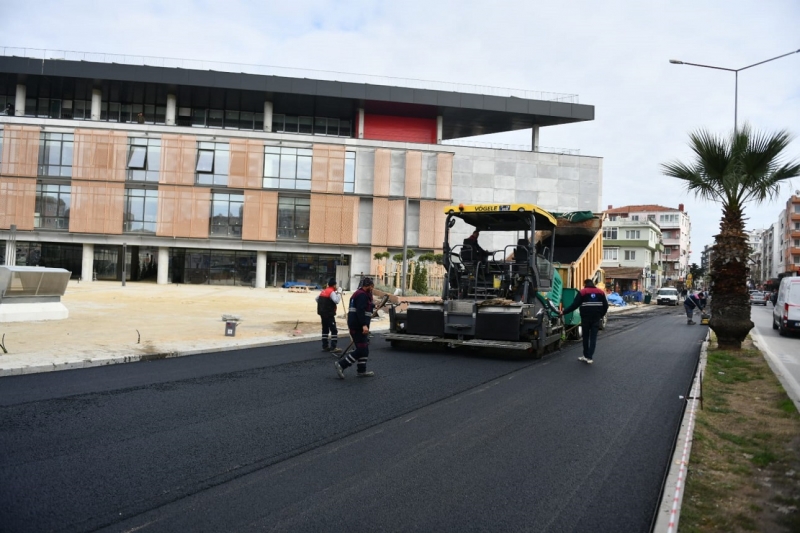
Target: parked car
[(786, 313), (758, 298), (667, 296)]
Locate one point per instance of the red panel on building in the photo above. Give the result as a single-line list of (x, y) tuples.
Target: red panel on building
[(403, 129)]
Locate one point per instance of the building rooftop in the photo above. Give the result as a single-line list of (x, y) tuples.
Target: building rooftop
[(640, 209), (465, 112)]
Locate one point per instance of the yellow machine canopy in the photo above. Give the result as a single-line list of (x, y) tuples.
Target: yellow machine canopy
[(502, 217)]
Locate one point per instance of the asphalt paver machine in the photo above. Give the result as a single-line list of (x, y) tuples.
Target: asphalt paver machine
[(506, 299)]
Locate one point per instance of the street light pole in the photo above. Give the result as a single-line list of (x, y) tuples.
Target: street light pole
[(736, 80)]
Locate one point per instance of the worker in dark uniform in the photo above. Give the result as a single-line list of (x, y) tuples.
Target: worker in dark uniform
[(594, 306), (471, 250), (358, 320), (327, 302)]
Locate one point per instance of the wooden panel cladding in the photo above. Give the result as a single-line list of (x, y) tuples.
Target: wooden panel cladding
[(260, 216), (183, 211), (20, 151), (178, 159), (383, 172), (396, 226), (444, 176), (327, 169), (96, 207), (100, 155), (387, 222), (247, 164), (431, 224), (334, 219), (17, 202), (413, 174)]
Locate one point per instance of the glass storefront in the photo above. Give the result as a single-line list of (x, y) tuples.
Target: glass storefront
[(141, 263), (212, 267), (66, 256)]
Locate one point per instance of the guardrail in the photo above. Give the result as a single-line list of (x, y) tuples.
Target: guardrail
[(274, 70), (517, 147)]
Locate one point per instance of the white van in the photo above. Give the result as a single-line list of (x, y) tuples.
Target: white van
[(786, 313), (667, 296)]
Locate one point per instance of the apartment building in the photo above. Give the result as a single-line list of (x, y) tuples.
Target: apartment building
[(183, 175), (791, 235), (676, 228), (632, 254)]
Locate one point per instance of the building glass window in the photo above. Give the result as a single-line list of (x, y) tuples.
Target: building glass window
[(55, 154), (226, 214), (219, 118), (349, 171), (141, 211), (797, 208), (52, 206), (293, 218), (610, 254), (609, 233), (311, 125), (213, 160), (144, 159), (630, 255), (287, 168), (632, 234)]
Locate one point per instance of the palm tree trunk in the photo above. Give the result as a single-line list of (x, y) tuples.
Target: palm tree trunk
[(730, 320)]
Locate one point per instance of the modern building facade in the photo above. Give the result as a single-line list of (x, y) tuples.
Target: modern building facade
[(190, 176), (676, 230), (632, 253)]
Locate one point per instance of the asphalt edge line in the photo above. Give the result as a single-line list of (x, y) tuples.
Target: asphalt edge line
[(669, 510), (790, 385), (135, 358)]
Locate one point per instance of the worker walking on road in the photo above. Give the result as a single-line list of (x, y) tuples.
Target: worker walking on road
[(359, 316), (327, 302), (691, 303), (594, 306)]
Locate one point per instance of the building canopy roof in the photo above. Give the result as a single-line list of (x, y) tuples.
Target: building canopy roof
[(464, 113)]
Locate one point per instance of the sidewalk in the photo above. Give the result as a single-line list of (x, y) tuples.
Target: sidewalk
[(172, 321)]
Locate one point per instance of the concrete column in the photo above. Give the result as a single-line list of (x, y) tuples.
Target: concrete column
[(87, 264), (19, 102), (439, 128), (97, 98), (360, 122), (267, 116), (171, 109), (535, 138), (163, 266), (261, 270)]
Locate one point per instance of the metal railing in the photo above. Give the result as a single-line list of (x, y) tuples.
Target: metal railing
[(274, 70), (518, 147)]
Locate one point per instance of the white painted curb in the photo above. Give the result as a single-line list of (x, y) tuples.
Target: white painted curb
[(669, 511)]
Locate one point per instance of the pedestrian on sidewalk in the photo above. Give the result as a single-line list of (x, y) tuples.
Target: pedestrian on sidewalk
[(359, 316), (327, 303), (594, 306), (691, 303)]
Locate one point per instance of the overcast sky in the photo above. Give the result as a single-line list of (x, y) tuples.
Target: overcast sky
[(613, 54)]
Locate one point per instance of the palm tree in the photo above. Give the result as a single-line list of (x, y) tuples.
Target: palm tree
[(747, 166)]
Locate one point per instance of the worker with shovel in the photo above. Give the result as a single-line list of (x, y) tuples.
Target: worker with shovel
[(358, 320)]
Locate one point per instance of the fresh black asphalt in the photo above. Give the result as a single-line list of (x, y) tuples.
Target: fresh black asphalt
[(270, 439)]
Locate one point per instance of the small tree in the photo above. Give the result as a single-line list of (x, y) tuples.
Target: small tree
[(420, 282), (382, 256), (398, 258)]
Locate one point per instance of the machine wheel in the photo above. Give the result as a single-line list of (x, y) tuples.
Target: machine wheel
[(782, 331), (577, 333), (603, 322)]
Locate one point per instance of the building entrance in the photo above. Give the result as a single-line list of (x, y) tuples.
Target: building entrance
[(276, 273)]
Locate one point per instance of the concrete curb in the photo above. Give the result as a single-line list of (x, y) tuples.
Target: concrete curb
[(104, 360), (669, 510), (790, 385)]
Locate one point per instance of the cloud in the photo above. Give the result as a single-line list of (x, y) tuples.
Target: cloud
[(613, 54)]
